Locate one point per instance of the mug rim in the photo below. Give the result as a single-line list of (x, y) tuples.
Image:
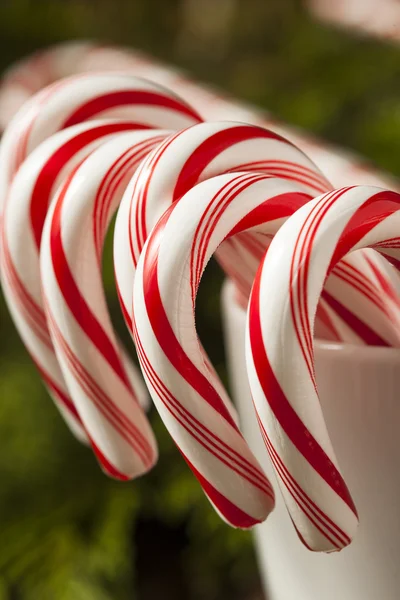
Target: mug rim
[(341, 349)]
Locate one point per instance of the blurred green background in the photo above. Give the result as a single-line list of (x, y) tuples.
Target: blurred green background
[(67, 532)]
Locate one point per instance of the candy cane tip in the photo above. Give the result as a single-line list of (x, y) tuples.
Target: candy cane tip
[(135, 471), (235, 516)]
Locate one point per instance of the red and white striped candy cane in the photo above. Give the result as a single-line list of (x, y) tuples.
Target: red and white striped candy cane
[(342, 168), (231, 140), (31, 74), (76, 308), (184, 390), (110, 163), (29, 198), (353, 307), (86, 97), (168, 273), (24, 214), (280, 352), (71, 278), (184, 159)]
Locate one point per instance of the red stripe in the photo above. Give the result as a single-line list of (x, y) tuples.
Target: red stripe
[(298, 278), (126, 428), (312, 506), (19, 289), (255, 478), (237, 517), (279, 207), (313, 517), (35, 327), (392, 242), (375, 209), (102, 205), (22, 141), (41, 192), (74, 299), (202, 235), (213, 146), (394, 261), (163, 330), (384, 282), (295, 168), (253, 247), (363, 289), (319, 520), (20, 149), (128, 97), (284, 412), (140, 193), (105, 405), (323, 317), (34, 319), (235, 275), (303, 246), (282, 172), (108, 468), (364, 332), (204, 436), (105, 195), (364, 282), (38, 328), (216, 214), (270, 210)]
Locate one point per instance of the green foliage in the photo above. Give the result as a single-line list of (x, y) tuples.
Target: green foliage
[(67, 531)]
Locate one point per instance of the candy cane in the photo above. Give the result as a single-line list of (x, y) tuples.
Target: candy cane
[(181, 385), (353, 307), (118, 159), (75, 305), (280, 354), (24, 215), (27, 204), (111, 160), (28, 76), (48, 101), (167, 278), (71, 279), (109, 441), (81, 98)]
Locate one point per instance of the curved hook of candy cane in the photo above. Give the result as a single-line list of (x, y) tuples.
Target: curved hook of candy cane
[(24, 214), (27, 207), (208, 149), (75, 304), (184, 390), (280, 353), (33, 73), (189, 156), (80, 98), (186, 158), (376, 295), (29, 75)]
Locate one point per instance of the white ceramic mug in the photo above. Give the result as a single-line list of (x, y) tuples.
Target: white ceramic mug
[(359, 389)]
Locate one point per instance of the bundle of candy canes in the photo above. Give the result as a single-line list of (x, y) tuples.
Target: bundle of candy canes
[(304, 257)]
